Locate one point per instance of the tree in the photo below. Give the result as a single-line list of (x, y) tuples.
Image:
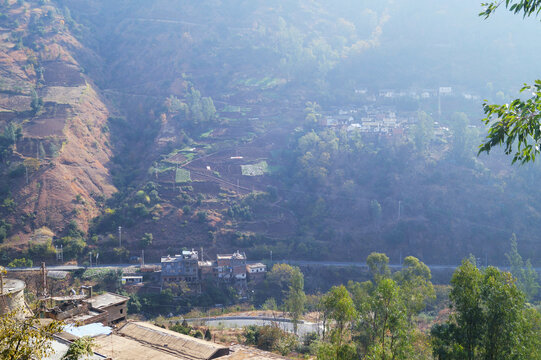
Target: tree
[(338, 306), (79, 348), (146, 240), (296, 297), (525, 274), (375, 212), (384, 316), (490, 318), (415, 285), (312, 114), (24, 339), (386, 306), (423, 131), (516, 125), (464, 137), (378, 264)]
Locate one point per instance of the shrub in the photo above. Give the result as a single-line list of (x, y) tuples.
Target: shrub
[(19, 263)]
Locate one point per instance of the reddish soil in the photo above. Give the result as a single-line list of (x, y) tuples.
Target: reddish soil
[(57, 73), (50, 122)]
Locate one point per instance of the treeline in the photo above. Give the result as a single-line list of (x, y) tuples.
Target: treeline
[(488, 316)]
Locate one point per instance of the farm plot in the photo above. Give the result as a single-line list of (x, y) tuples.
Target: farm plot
[(51, 122), (182, 176), (57, 73), (261, 168), (63, 95)]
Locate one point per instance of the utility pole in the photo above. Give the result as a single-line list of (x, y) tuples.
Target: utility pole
[(271, 255), (44, 280), (120, 236), (399, 206), (142, 257)]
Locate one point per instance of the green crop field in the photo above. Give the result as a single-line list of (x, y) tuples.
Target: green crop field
[(258, 169), (182, 176)]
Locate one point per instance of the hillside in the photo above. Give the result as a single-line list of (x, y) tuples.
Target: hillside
[(54, 148), (201, 126)]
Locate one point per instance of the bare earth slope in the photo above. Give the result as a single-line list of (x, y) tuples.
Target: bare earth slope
[(63, 148)]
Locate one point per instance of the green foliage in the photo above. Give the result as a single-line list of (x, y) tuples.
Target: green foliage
[(378, 264), (146, 240), (423, 131), (270, 338), (338, 306), (416, 288), (312, 114), (241, 212), (296, 297), (490, 320), (276, 284), (384, 318), (524, 273), (196, 113), (24, 338), (526, 7), (202, 216), (270, 304), (515, 125), (41, 250), (37, 102), (79, 348), (183, 328), (465, 137), (73, 247), (21, 263)]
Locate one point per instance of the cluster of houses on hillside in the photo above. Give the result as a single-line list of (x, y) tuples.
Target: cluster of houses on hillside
[(385, 120), (379, 121), (190, 268), (414, 94)]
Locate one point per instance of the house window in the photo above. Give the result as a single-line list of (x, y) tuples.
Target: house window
[(121, 311)]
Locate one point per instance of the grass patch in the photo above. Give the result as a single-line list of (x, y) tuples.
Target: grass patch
[(206, 134)]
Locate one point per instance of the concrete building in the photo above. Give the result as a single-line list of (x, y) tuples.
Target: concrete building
[(116, 306), (256, 272), (183, 267), (231, 266)]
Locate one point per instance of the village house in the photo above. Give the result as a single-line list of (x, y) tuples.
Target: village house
[(256, 272), (231, 266), (183, 267), (116, 306), (132, 280)]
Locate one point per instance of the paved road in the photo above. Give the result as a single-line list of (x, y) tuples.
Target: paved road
[(292, 262), (304, 327)]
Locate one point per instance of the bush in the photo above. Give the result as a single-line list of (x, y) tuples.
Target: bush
[(202, 216), (270, 338), (19, 263), (146, 240)]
